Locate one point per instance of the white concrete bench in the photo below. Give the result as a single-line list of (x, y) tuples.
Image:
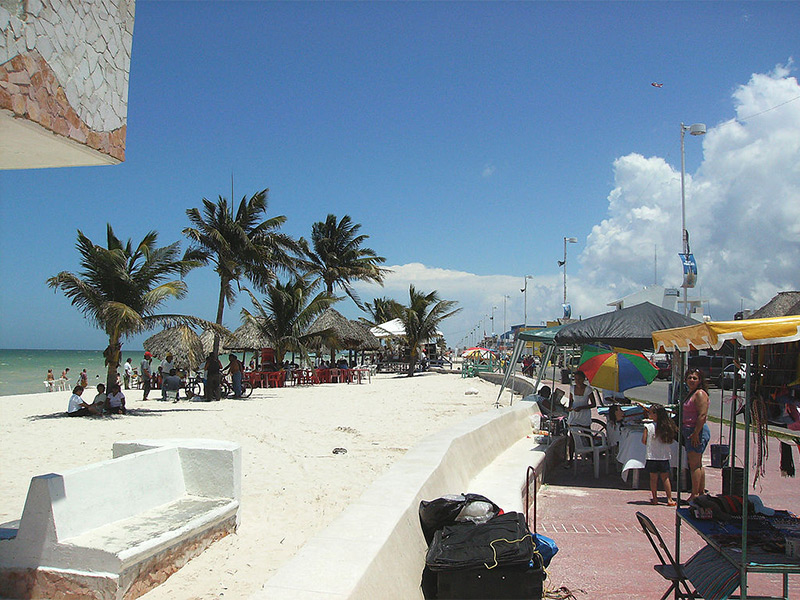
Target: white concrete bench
[(117, 528)]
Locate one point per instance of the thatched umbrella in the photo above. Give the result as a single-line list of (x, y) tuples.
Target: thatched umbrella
[(247, 337), (182, 342), (782, 305), (368, 340), (333, 326)]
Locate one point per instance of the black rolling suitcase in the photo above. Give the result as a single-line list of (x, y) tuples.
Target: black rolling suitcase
[(495, 559)]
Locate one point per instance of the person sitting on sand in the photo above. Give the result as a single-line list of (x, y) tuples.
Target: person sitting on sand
[(115, 403), (101, 398), (171, 383), (77, 407)]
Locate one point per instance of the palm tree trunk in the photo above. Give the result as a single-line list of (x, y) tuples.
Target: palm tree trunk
[(412, 362), (112, 356), (220, 310)]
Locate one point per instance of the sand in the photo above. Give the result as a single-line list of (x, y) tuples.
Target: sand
[(293, 486)]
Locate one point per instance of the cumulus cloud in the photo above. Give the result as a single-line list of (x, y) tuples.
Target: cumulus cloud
[(488, 170), (742, 210), (742, 213), (476, 294)]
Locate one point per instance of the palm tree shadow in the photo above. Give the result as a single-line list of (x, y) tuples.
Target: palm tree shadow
[(133, 412)]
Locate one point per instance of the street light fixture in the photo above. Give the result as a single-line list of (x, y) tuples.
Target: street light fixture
[(493, 309), (524, 290), (694, 129), (563, 263)]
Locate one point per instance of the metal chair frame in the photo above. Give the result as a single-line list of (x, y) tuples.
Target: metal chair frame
[(668, 569)]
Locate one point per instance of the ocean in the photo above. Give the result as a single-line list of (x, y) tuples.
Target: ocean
[(24, 371)]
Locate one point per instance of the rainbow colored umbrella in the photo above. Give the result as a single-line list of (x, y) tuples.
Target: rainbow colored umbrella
[(616, 369)]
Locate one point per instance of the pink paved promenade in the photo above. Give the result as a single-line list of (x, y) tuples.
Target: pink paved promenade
[(602, 552)]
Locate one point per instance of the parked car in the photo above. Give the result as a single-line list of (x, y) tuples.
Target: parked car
[(711, 366), (664, 369), (725, 379)]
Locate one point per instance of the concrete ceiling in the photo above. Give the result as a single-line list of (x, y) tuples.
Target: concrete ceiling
[(27, 145)]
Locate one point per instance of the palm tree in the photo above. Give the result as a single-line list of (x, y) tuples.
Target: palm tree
[(381, 310), (287, 311), (121, 286), (336, 255), (240, 244), (421, 319)]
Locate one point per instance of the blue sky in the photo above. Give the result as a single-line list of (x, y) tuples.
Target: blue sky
[(467, 138)]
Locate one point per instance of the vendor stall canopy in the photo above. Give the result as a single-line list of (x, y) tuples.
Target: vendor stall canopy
[(630, 327), (751, 332)]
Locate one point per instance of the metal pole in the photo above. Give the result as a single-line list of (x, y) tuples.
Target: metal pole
[(524, 290), (684, 233), (564, 264)]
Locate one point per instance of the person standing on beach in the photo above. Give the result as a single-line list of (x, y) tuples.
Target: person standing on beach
[(128, 373), (50, 380), (146, 374), (235, 368), (212, 368), (65, 374), (163, 370), (83, 379)]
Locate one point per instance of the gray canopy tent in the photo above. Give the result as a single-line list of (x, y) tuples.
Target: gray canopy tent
[(545, 336), (630, 328)]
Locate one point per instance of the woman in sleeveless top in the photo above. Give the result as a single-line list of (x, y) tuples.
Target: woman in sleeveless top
[(581, 403), (696, 433)]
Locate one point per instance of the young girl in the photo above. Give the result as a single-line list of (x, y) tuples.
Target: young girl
[(658, 436)]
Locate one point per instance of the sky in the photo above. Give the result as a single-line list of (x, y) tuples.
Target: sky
[(467, 139)]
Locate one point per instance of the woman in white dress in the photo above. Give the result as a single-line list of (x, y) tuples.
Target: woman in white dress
[(581, 403)]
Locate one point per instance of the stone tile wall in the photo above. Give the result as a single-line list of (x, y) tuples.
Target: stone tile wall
[(65, 66)]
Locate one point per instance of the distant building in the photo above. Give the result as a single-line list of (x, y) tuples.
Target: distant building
[(669, 298), (64, 67)]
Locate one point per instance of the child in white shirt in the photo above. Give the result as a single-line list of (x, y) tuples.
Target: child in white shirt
[(658, 436)]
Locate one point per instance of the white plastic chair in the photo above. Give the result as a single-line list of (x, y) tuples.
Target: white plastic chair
[(589, 442), (171, 395)]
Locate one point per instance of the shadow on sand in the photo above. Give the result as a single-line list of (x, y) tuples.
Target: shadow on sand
[(134, 412)]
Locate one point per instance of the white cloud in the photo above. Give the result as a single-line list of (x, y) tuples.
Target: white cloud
[(742, 213), (475, 294), (488, 170), (742, 210)]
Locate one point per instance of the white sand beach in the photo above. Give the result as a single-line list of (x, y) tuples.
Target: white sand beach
[(293, 485)]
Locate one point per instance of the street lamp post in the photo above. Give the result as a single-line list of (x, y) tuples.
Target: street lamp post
[(524, 290), (493, 309), (563, 263), (505, 297), (695, 129)]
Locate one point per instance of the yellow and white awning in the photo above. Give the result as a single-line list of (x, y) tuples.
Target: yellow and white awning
[(712, 334)]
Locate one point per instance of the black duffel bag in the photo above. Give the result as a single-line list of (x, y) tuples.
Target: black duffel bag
[(495, 559)]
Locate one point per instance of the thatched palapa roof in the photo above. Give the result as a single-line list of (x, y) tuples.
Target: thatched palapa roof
[(368, 341), (335, 330), (246, 337), (182, 342), (783, 305)]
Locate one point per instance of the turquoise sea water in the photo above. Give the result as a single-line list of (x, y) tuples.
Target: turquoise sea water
[(24, 371)]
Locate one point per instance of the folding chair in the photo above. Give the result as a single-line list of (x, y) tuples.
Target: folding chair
[(668, 569)]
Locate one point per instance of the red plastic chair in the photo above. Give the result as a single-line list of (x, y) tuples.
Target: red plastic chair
[(276, 379)]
